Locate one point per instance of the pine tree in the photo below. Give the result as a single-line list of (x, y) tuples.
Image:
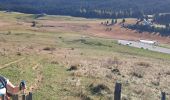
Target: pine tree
[(113, 22), (167, 25), (33, 24), (123, 21)]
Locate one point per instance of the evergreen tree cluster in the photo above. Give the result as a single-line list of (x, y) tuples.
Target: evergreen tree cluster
[(109, 23), (88, 8), (164, 31), (162, 19)]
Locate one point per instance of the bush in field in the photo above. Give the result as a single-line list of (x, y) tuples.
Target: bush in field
[(33, 24), (73, 67), (49, 48), (99, 89), (18, 53)]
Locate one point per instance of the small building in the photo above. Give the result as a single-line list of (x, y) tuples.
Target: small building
[(150, 16), (147, 22)]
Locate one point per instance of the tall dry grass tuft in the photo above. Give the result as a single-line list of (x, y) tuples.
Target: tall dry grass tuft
[(144, 64), (137, 72)]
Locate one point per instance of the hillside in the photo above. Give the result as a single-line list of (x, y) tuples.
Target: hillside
[(88, 8), (70, 58)]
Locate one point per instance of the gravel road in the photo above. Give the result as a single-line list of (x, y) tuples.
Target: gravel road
[(144, 46)]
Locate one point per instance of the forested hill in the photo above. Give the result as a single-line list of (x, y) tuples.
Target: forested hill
[(88, 8)]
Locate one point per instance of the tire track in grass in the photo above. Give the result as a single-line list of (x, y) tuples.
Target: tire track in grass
[(16, 61)]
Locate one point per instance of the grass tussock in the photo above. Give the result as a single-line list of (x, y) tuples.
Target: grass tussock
[(99, 89), (138, 72), (144, 64), (84, 96), (55, 62), (111, 63)]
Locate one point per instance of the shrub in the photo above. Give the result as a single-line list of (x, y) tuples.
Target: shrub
[(72, 48), (73, 67), (18, 53), (98, 89), (49, 48), (60, 37)]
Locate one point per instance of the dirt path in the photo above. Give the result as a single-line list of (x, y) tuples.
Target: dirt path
[(16, 61)]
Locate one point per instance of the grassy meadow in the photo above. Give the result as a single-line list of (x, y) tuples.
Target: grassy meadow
[(61, 64)]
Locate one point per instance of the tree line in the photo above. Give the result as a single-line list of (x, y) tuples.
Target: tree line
[(88, 8), (163, 31), (162, 19)]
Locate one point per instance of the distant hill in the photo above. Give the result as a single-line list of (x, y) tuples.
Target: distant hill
[(88, 8)]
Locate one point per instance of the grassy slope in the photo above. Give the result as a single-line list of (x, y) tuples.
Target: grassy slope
[(51, 81)]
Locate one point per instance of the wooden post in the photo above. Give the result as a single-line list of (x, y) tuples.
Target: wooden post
[(15, 97), (117, 93), (163, 96), (29, 97), (3, 97), (23, 97)]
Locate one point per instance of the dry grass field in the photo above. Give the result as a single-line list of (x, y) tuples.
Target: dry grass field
[(67, 58)]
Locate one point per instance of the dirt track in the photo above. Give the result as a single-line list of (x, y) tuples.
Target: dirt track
[(16, 61)]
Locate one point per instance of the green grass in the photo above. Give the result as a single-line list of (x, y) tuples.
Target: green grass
[(20, 71), (108, 46), (55, 75), (165, 46), (55, 84)]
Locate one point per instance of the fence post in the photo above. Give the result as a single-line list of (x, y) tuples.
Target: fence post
[(14, 97), (23, 97), (163, 96), (3, 97), (117, 93), (29, 96)]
